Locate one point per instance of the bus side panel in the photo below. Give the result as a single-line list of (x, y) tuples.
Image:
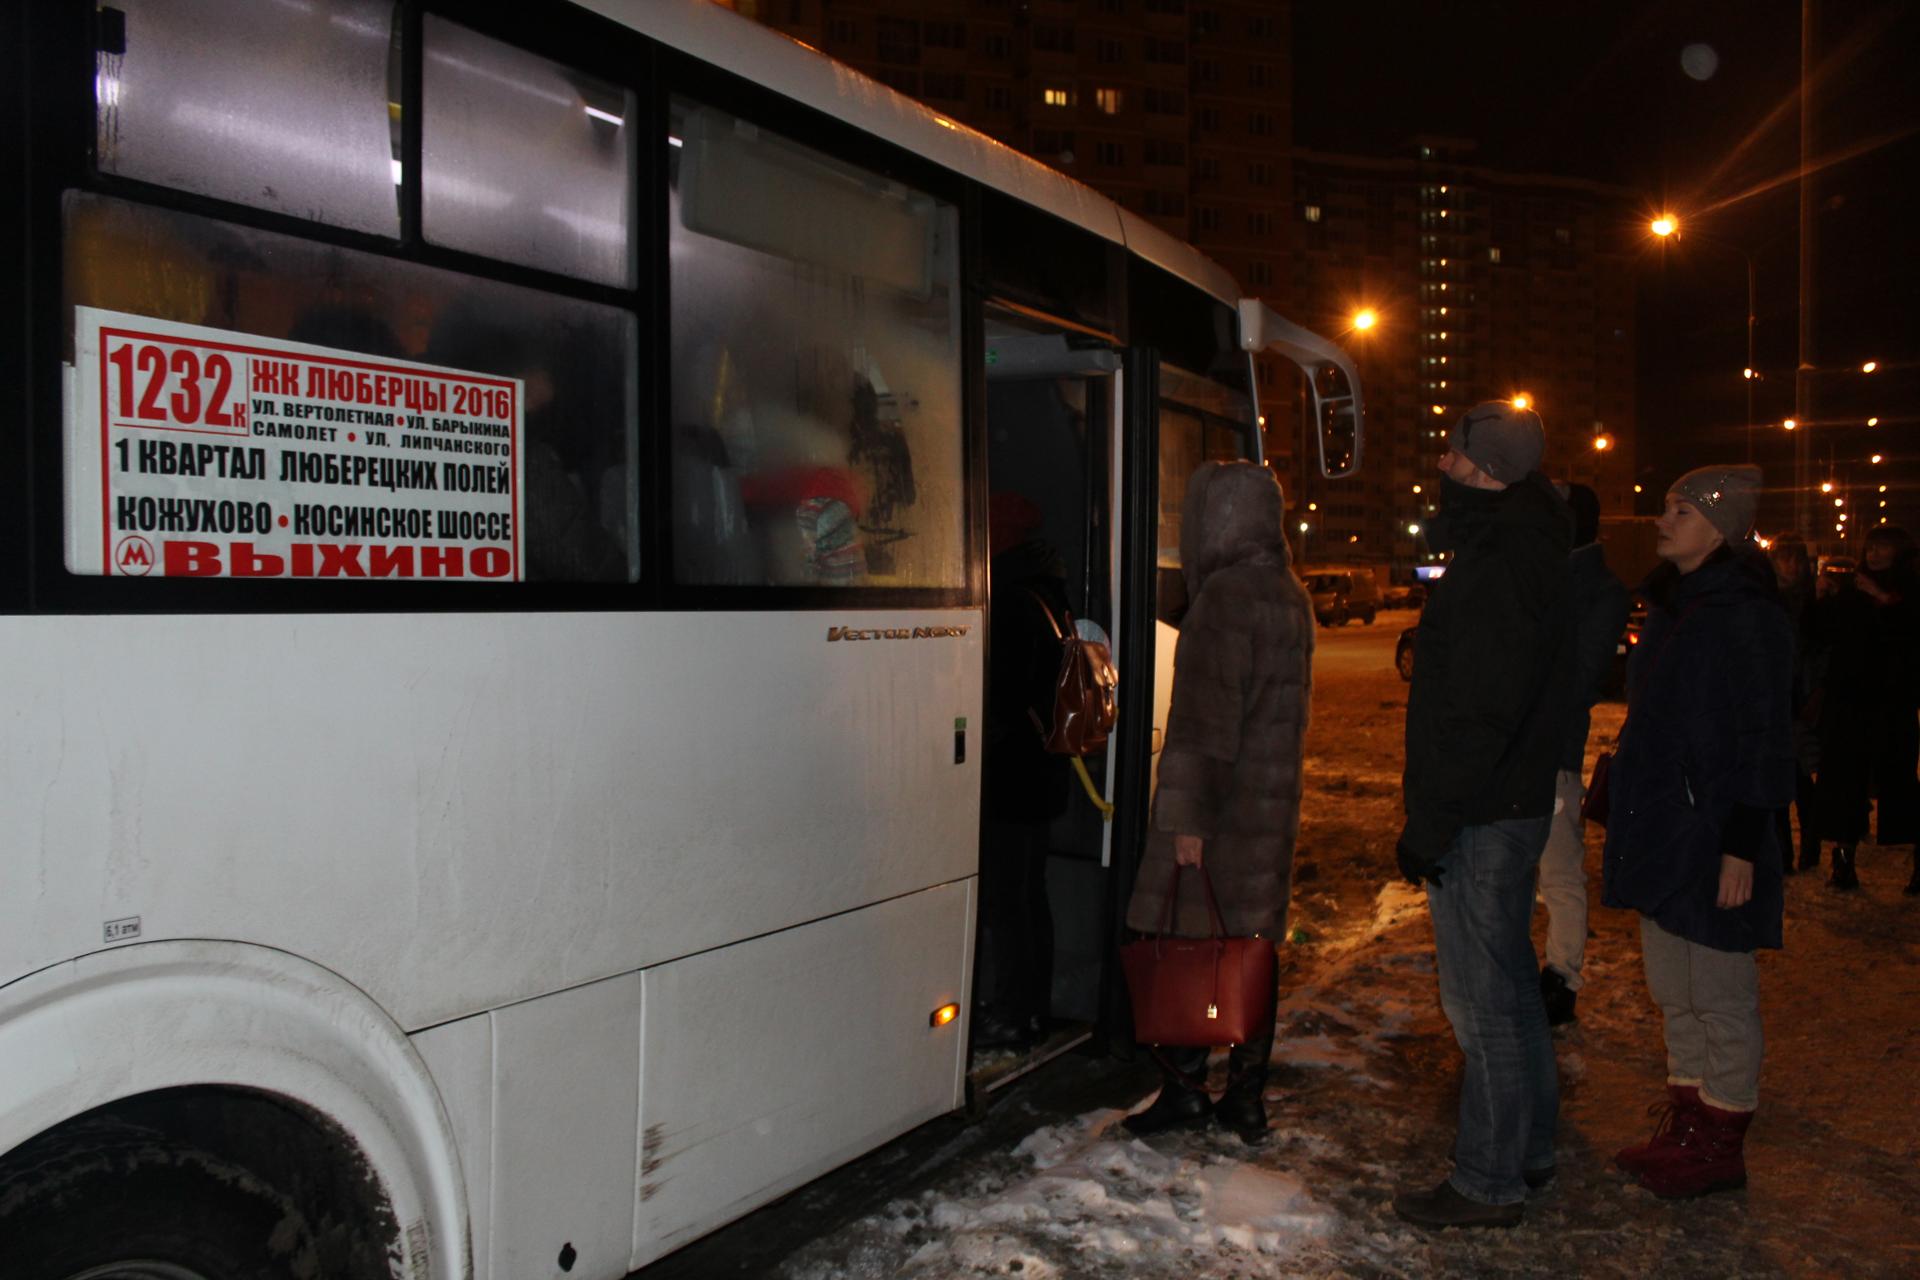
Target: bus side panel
[(459, 1056), (456, 812), (565, 1089), (770, 1062)]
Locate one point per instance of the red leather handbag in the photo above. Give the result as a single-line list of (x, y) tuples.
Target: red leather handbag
[(1198, 991)]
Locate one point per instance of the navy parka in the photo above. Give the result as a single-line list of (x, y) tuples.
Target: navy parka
[(1706, 757)]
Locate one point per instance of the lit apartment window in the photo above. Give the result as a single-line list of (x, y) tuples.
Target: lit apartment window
[(1311, 213), (1108, 100), (1493, 254), (1057, 97)]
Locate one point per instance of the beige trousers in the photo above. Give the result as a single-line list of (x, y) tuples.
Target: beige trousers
[(1711, 1002), (1563, 881)]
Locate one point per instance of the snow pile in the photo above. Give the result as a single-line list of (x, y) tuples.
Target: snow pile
[(1085, 1196)]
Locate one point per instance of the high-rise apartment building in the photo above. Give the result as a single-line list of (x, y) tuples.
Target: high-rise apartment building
[(1487, 285)]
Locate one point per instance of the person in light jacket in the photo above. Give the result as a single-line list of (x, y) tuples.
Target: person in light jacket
[(1704, 765), (1230, 773)]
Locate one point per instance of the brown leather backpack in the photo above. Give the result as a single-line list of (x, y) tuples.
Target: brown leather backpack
[(1084, 693)]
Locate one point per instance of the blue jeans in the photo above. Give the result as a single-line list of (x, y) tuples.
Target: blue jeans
[(1490, 989)]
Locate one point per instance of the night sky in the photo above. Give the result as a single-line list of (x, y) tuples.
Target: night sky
[(1694, 105)]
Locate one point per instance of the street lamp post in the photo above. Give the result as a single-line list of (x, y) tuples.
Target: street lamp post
[(1667, 225)]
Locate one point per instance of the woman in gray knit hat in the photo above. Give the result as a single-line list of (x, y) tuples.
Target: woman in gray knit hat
[(1704, 764)]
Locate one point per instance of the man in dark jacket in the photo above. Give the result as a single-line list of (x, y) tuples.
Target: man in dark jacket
[(1599, 602), (1486, 721)]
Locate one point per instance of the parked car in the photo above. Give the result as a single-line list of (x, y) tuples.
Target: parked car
[(1340, 594)]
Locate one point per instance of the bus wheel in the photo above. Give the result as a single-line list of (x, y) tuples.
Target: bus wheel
[(106, 1200)]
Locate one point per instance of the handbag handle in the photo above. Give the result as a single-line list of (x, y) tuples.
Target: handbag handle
[(1213, 904)]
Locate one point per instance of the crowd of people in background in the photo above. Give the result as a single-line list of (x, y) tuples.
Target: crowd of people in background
[(1856, 700)]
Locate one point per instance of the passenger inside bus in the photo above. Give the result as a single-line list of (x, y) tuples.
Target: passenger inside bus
[(566, 538), (1024, 787)]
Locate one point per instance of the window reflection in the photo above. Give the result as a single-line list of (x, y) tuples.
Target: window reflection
[(816, 393)]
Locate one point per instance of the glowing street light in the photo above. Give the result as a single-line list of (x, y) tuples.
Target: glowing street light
[(1826, 486), (1664, 225), (1869, 366), (1840, 502), (1414, 529), (1303, 526), (1416, 488), (1876, 459), (1602, 443), (1789, 424), (1747, 373), (1439, 408), (1873, 422), (1365, 319), (1522, 400)]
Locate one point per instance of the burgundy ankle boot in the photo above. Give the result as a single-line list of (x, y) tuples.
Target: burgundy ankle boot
[(1711, 1158), (1676, 1120)]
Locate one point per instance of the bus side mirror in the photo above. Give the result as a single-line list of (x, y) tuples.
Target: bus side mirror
[(1333, 385)]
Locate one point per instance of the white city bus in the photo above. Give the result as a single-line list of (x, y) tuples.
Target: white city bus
[(492, 627)]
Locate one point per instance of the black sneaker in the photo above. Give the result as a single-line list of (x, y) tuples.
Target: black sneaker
[(1557, 996), (1177, 1107), (1445, 1207)]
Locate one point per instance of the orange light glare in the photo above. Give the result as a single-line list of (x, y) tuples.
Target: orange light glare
[(1789, 424), (1869, 366), (1873, 422), (943, 1015), (1826, 486), (1877, 459), (1365, 318), (1522, 401), (1602, 443), (1665, 225)]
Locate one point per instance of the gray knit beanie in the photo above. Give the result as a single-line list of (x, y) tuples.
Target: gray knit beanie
[(1728, 497), (1502, 440)]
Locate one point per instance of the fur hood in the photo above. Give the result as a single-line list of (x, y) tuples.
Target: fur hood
[(1234, 514)]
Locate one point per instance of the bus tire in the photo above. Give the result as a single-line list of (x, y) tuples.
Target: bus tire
[(101, 1193)]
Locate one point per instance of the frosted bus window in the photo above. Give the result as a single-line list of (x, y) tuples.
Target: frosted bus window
[(570, 364), (525, 160), (816, 364), (278, 106)]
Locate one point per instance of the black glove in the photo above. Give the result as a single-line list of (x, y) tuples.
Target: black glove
[(1416, 868)]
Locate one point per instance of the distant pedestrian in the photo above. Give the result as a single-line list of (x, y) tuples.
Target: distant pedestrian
[(1869, 735), (1600, 606), (1230, 774), (1705, 763), (1793, 575), (1487, 720)]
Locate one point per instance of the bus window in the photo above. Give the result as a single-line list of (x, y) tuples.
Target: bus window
[(280, 107), (1200, 421), (523, 159), (816, 367), (150, 293)]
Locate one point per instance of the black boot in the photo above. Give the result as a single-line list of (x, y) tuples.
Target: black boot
[(1843, 876), (1179, 1105), (1557, 996), (1243, 1107)]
